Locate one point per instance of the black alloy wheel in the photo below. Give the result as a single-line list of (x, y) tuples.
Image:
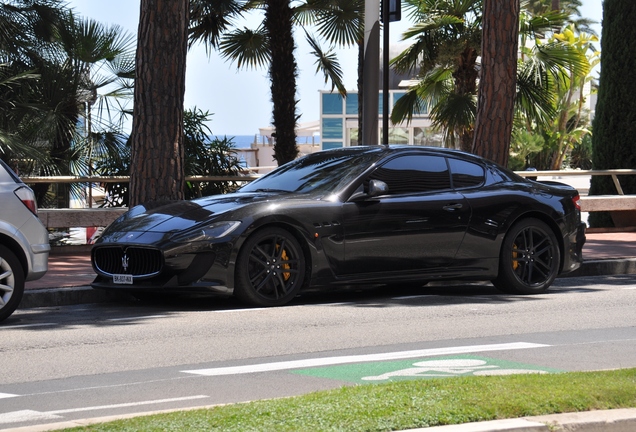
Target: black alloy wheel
[(11, 283), (529, 260), (270, 268)]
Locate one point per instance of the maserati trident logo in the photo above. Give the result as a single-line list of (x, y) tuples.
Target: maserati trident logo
[(124, 262)]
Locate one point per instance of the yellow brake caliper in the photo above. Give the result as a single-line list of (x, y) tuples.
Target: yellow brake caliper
[(284, 257), (515, 263)]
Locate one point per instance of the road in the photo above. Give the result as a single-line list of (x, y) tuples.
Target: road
[(64, 363)]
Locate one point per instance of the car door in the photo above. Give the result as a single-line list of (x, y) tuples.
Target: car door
[(418, 225)]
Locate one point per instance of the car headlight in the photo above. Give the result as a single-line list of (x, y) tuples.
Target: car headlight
[(210, 232)]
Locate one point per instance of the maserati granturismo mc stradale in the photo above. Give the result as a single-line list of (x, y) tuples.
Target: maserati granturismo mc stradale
[(350, 216)]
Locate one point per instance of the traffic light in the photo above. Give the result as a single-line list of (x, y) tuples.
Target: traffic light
[(395, 10)]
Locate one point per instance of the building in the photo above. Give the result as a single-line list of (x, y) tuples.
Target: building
[(339, 122)]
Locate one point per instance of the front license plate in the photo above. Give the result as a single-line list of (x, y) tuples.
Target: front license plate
[(123, 279)]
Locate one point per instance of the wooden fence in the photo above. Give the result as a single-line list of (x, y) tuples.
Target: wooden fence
[(90, 217)]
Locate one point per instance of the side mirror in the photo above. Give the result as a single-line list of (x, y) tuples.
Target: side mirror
[(377, 188)]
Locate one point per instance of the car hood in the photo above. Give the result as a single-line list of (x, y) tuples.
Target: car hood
[(174, 216)]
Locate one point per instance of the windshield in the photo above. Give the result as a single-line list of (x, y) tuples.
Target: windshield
[(324, 172)]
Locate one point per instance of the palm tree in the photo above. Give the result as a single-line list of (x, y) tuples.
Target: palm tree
[(270, 45), (568, 7), (25, 26), (341, 24), (447, 44), (89, 64), (565, 125), (72, 63)]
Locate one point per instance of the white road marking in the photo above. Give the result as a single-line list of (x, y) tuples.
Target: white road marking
[(125, 405), (30, 415), (328, 361), (7, 395), (25, 416)]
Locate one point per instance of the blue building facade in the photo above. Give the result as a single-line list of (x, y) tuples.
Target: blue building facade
[(339, 123)]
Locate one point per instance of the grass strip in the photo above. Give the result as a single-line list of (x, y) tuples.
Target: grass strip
[(405, 405)]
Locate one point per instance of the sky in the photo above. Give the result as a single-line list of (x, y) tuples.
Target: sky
[(240, 99)]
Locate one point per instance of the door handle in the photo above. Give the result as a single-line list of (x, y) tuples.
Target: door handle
[(452, 207)]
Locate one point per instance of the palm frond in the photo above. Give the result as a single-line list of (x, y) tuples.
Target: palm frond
[(535, 99), (247, 48), (327, 63), (428, 92)]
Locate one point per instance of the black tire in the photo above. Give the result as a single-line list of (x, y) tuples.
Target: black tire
[(270, 268), (11, 283), (530, 258)]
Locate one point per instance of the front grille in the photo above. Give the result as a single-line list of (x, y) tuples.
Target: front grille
[(136, 261)]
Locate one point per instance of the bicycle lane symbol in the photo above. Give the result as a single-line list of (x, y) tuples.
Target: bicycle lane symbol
[(452, 367), (423, 369)]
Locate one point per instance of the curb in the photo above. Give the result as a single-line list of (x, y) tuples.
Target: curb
[(68, 296), (617, 420), (621, 266)]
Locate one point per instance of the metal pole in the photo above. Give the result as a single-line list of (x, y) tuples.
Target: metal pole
[(371, 81), (385, 72)]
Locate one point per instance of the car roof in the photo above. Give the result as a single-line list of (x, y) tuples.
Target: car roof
[(403, 148)]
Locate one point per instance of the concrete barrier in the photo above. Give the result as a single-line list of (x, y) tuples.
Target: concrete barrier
[(88, 217), (592, 203)]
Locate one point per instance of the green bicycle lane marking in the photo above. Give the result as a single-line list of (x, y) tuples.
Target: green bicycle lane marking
[(440, 367)]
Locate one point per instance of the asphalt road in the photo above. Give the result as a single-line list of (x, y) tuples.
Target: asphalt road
[(71, 362)]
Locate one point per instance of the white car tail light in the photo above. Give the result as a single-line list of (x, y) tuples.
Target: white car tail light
[(28, 198)]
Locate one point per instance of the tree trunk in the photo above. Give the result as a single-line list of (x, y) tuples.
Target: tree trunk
[(156, 172), (497, 86), (282, 74), (465, 77)]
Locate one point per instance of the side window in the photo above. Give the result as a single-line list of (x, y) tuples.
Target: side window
[(414, 174), (466, 174)]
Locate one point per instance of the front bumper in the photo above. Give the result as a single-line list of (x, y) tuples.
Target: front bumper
[(195, 272)]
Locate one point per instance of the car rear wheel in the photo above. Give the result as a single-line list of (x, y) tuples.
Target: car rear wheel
[(529, 260), (11, 282), (270, 268)]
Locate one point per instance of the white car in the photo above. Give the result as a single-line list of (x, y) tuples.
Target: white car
[(24, 241)]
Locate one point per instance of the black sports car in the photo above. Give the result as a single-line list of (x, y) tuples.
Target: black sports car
[(356, 215)]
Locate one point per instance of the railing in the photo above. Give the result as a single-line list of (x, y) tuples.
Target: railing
[(556, 173), (89, 217), (592, 203)]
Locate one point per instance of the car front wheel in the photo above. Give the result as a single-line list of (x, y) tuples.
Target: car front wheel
[(11, 283), (529, 260), (270, 268)]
